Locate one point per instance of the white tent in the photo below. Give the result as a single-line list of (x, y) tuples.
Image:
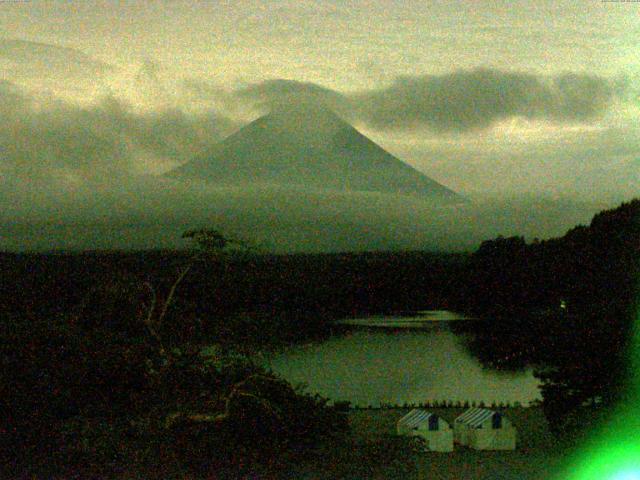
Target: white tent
[(484, 429), (435, 431)]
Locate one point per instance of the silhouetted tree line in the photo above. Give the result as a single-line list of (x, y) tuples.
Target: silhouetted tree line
[(108, 388), (565, 305), (250, 298), (85, 382), (91, 401)]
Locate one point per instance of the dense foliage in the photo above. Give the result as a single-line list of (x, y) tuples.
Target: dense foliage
[(88, 387), (566, 305), (94, 392), (277, 297)]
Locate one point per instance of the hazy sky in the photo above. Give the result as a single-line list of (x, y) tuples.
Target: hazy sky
[(496, 97), (391, 57)]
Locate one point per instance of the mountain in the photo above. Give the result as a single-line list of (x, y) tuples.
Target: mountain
[(310, 146)]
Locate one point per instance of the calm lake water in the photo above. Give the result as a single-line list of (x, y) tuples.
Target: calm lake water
[(400, 359)]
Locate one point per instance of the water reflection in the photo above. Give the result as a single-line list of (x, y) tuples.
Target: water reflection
[(423, 319), (414, 360)]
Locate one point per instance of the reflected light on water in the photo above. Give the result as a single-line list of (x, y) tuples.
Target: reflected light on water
[(419, 360)]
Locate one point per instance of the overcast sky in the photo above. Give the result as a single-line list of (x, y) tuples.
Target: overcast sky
[(479, 95), (497, 97)]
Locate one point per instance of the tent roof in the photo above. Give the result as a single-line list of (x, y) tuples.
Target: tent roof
[(416, 417), (475, 416)]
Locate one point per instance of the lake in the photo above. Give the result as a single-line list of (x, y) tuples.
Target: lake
[(398, 359)]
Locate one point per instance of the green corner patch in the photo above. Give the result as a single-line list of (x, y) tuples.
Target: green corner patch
[(614, 450)]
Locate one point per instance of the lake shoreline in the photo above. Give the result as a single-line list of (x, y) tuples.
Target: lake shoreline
[(378, 360)]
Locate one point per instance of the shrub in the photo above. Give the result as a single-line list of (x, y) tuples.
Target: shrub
[(232, 413), (58, 371)]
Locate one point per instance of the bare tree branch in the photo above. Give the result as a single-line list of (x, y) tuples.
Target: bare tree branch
[(172, 292), (148, 321)]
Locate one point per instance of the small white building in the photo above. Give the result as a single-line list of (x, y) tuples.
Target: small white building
[(484, 429), (435, 431)]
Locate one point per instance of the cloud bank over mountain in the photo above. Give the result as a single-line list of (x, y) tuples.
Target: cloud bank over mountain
[(57, 141), (44, 136), (458, 101), (82, 139)]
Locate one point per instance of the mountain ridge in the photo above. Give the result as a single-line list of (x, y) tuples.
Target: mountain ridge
[(309, 146)]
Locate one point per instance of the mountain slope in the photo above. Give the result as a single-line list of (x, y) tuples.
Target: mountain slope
[(309, 146)]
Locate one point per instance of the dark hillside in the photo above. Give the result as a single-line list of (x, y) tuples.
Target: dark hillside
[(297, 287), (566, 305)]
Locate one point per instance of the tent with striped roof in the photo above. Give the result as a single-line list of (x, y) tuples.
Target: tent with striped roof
[(435, 431), (484, 429)]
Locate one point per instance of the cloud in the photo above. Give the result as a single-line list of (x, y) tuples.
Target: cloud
[(586, 163), (51, 69), (467, 100), (273, 93), (247, 101), (49, 140), (152, 213), (49, 55), (34, 61), (65, 183), (454, 102)]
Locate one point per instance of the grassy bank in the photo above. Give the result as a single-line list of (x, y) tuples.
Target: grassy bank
[(537, 454), (372, 450)]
